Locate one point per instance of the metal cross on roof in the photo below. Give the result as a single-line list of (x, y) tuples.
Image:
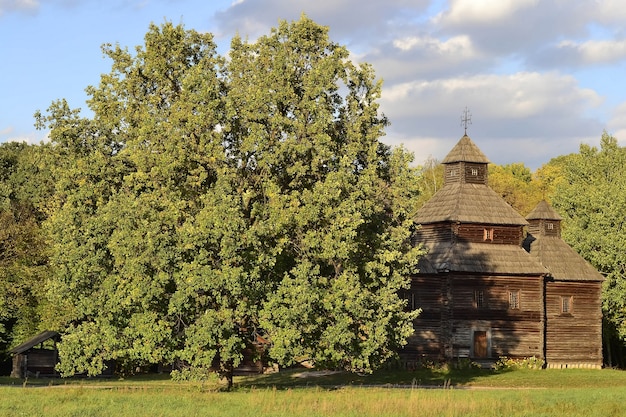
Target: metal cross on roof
[(466, 119)]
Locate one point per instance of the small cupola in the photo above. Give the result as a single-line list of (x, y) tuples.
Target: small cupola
[(465, 163), (544, 221)]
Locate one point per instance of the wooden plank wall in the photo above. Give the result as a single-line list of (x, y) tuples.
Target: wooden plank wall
[(514, 333), (449, 316), (574, 339), (511, 235), (437, 232), (475, 173), (465, 172), (39, 362), (427, 339), (541, 227), (432, 233)]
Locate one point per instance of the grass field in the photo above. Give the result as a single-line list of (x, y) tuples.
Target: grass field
[(573, 392)]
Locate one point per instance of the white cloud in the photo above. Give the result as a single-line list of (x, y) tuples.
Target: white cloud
[(513, 109), (610, 11), (411, 58), (519, 95), (617, 124), (458, 45), (27, 6), (597, 51), (482, 11), (31, 139), (9, 134), (6, 131), (348, 20)]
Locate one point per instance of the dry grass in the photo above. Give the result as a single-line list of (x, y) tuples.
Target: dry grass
[(584, 393), (358, 402)]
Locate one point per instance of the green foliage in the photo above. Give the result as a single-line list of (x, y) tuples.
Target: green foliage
[(430, 180), (516, 185), (132, 176), (507, 364), (466, 363), (213, 204), (25, 186)]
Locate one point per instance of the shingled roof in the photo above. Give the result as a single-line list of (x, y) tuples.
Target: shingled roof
[(563, 262), (465, 151), (468, 203), (543, 211), (482, 258)]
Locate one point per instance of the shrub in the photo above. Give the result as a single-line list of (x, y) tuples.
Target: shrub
[(465, 363), (505, 363)]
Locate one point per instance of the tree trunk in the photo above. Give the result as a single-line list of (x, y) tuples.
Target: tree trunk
[(229, 380)]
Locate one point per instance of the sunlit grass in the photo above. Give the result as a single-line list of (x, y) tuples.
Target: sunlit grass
[(362, 402), (584, 393)]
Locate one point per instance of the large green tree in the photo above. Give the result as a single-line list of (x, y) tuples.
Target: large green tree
[(210, 204), (328, 199), (25, 187), (132, 176)]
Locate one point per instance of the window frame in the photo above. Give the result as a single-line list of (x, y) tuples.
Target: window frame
[(566, 305), (479, 299), (514, 300)]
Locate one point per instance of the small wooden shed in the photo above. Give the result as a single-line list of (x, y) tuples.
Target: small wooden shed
[(37, 356)]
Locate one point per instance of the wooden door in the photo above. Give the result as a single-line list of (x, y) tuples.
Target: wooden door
[(480, 344)]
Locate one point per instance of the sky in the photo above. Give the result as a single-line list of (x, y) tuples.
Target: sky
[(539, 77)]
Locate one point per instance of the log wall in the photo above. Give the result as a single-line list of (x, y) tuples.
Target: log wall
[(574, 337), (509, 235), (450, 316)]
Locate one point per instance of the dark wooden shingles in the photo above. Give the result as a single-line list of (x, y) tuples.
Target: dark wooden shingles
[(468, 203), (543, 211), (465, 151)]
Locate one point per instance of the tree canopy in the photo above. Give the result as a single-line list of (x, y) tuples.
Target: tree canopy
[(211, 204), (25, 186), (517, 186)]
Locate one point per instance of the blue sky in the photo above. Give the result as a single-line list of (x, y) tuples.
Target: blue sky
[(539, 76)]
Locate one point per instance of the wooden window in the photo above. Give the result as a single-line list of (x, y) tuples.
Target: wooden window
[(550, 226), (479, 299), (488, 234), (514, 300), (475, 172), (567, 304)]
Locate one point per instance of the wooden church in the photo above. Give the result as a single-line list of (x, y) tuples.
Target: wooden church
[(495, 284)]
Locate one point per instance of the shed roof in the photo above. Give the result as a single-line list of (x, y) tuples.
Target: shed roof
[(34, 341), (543, 211), (563, 262), (465, 151), (486, 258), (468, 203)]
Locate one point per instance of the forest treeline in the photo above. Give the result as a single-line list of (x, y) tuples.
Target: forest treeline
[(209, 202)]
